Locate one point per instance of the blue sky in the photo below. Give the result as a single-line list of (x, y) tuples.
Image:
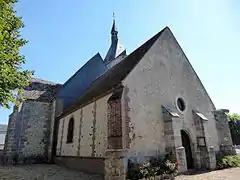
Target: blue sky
[(63, 35)]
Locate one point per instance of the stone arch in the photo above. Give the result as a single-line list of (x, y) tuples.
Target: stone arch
[(189, 133), (70, 131), (193, 140)]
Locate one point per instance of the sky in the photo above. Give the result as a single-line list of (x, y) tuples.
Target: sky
[(63, 35)]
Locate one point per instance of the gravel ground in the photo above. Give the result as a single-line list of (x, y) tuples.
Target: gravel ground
[(226, 174), (42, 172), (53, 172)]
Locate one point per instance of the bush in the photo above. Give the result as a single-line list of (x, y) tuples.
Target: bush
[(228, 161), (155, 167)]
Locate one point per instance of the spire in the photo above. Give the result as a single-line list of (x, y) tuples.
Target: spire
[(114, 31), (115, 48)]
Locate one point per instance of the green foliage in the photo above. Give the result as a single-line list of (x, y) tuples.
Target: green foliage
[(234, 125), (12, 78), (228, 161), (234, 117), (155, 167)]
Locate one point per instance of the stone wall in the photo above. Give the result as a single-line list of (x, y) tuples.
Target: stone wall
[(90, 131), (35, 128), (29, 124), (10, 139), (51, 137), (28, 129), (224, 135)]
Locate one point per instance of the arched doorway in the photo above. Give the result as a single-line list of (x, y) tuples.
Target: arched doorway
[(186, 143)]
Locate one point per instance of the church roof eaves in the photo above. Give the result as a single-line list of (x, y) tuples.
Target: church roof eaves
[(113, 76)]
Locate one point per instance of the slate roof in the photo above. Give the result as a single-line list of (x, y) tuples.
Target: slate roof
[(89, 62), (41, 90), (113, 76), (77, 84)]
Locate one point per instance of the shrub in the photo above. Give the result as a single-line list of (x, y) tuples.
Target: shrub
[(155, 167), (228, 161)]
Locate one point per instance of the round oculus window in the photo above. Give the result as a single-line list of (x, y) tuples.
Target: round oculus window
[(181, 104)]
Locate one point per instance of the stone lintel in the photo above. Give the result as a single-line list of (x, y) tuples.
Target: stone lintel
[(200, 116), (169, 112)]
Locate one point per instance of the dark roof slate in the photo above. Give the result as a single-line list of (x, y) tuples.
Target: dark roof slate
[(41, 90), (81, 80), (89, 62), (114, 76)]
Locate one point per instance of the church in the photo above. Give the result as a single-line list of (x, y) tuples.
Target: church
[(122, 107)]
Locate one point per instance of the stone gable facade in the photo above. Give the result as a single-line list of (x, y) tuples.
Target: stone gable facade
[(162, 77)]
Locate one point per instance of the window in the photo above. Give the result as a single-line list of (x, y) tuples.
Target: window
[(70, 131), (181, 104)]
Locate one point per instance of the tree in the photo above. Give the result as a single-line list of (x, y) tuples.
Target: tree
[(234, 125), (234, 117), (12, 77)]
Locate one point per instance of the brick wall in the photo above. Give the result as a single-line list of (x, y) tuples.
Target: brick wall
[(114, 124)]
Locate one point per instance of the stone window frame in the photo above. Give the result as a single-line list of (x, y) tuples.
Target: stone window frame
[(70, 130), (184, 101)]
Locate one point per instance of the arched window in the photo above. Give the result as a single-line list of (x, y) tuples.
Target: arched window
[(70, 131)]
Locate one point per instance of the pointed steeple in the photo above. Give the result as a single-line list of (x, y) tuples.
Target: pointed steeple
[(115, 49), (114, 31)]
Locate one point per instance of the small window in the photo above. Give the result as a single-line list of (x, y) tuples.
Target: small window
[(70, 131), (181, 104)]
